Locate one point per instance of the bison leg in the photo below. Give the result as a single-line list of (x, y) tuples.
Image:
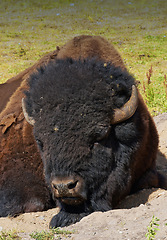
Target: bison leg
[(12, 203), (150, 179), (69, 214), (63, 219), (23, 194), (9, 203)]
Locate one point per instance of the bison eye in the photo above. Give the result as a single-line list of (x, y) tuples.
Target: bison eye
[(40, 144), (99, 133), (102, 132)]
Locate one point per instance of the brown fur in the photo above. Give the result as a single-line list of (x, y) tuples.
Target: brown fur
[(91, 47), (20, 164)]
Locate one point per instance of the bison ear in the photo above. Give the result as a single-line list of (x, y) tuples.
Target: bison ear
[(28, 118), (128, 109)]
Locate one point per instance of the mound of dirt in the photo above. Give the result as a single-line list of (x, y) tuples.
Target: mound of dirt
[(129, 221)]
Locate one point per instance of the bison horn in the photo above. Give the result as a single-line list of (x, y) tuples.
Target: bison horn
[(29, 119), (128, 109)]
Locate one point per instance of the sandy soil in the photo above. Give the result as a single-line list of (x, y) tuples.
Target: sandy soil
[(129, 221)]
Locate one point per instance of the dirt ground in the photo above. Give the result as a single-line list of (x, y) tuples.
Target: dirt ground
[(129, 221)]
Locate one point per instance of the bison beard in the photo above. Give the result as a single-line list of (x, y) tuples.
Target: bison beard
[(90, 162)]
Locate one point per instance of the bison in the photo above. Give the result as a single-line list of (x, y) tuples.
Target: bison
[(88, 123)]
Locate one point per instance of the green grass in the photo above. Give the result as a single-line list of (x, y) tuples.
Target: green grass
[(10, 235), (29, 29), (50, 235), (152, 228)]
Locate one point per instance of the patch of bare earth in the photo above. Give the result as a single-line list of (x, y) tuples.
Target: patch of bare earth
[(129, 221)]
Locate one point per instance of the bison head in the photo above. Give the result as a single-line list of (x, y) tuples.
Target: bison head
[(75, 107)]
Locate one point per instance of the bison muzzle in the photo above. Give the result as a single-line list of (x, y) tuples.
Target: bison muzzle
[(69, 190)]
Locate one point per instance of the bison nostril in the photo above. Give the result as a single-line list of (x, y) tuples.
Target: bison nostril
[(72, 185)]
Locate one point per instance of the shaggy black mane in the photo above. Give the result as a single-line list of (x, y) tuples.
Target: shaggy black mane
[(59, 80)]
